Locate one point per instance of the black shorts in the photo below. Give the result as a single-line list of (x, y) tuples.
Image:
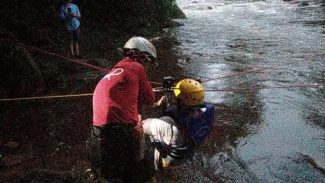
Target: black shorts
[(74, 35)]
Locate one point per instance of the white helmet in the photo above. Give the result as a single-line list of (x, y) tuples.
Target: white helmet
[(143, 45)]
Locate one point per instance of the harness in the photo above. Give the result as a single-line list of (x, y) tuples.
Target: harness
[(171, 152), (193, 129), (99, 131)]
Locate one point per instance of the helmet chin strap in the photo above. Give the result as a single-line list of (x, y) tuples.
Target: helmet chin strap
[(149, 59), (155, 62), (140, 56)]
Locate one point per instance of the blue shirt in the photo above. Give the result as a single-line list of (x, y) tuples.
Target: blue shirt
[(199, 127), (71, 23)]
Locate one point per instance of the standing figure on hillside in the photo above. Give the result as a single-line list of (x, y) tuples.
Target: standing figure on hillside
[(184, 126), (71, 15), (116, 143)]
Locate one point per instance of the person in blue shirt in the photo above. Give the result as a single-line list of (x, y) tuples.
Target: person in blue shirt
[(71, 15), (183, 128)]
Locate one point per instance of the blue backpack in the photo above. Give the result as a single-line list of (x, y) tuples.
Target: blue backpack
[(199, 127)]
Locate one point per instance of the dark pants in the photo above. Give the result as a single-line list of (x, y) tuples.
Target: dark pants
[(74, 35), (111, 153)]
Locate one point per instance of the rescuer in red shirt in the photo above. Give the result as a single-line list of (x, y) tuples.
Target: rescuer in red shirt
[(116, 142)]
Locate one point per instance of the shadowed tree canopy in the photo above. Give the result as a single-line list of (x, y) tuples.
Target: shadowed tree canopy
[(24, 17), (37, 23)]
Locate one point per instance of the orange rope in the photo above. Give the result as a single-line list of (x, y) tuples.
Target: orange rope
[(76, 61), (247, 89), (256, 70), (250, 89), (46, 97)]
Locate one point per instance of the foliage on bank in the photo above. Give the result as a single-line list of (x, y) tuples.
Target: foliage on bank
[(105, 25)]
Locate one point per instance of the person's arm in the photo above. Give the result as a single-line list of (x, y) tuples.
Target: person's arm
[(210, 117), (77, 14), (177, 155), (62, 13), (146, 95), (74, 12), (160, 102)]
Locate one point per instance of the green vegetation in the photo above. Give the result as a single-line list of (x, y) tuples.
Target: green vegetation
[(105, 26), (19, 73), (49, 135)]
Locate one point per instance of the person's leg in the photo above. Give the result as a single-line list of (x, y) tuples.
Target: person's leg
[(71, 48), (71, 38), (76, 36), (77, 49), (94, 149)]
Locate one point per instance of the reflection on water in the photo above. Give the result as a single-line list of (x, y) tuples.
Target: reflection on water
[(267, 135)]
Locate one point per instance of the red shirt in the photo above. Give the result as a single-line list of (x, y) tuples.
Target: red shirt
[(120, 94)]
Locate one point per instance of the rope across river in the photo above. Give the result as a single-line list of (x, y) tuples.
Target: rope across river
[(247, 89), (103, 70)]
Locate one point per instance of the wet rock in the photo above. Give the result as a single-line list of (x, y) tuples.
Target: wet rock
[(322, 3), (61, 144), (156, 39), (316, 22), (12, 145), (303, 4), (183, 61), (176, 12), (172, 23), (2, 164), (312, 162)]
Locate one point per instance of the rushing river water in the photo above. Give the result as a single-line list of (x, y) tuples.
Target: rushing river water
[(266, 135)]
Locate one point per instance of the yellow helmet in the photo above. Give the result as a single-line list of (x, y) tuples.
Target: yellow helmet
[(190, 92)]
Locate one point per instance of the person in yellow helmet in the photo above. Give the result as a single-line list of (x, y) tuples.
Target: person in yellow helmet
[(182, 128)]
